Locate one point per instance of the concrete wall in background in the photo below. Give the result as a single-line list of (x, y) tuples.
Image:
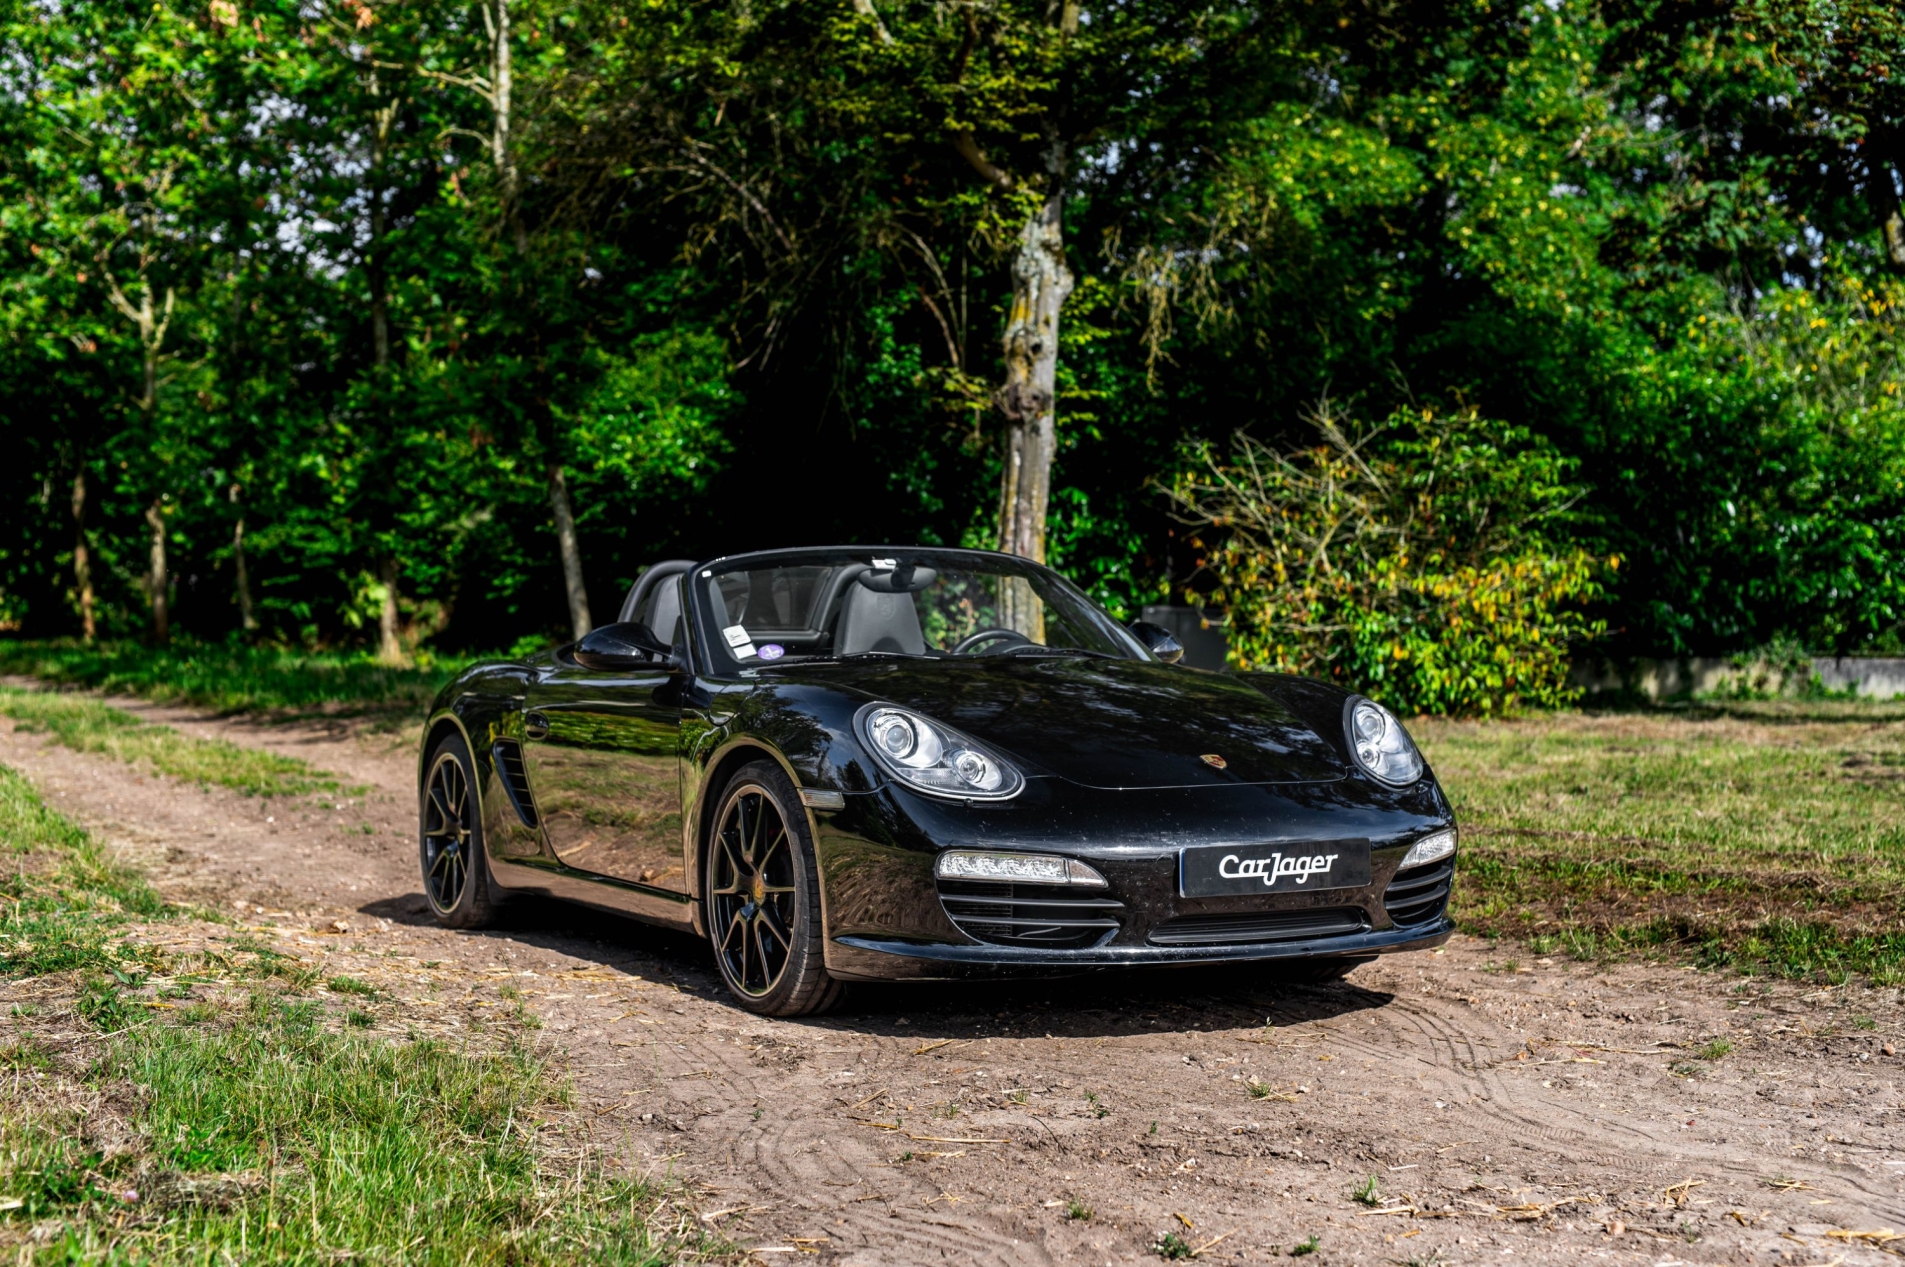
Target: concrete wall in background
[(1876, 677)]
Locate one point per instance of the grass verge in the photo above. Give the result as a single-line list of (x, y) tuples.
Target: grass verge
[(173, 1108), (236, 678), (87, 725), (1769, 839)]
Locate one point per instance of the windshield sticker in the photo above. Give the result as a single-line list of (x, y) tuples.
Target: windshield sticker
[(772, 651), (886, 563), (739, 641)]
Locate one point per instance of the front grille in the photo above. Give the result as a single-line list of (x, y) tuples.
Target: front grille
[(1242, 927), (1418, 895), (508, 755), (1047, 915)]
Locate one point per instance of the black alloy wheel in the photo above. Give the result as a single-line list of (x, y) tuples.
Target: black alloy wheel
[(455, 875), (763, 898)]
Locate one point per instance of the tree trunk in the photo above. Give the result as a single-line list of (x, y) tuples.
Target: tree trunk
[(82, 558), (502, 86), (561, 508), (151, 326), (158, 582), (381, 123), (243, 580), (571, 551), (389, 640), (1040, 284)]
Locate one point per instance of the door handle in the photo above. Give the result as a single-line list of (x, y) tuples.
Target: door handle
[(535, 726)]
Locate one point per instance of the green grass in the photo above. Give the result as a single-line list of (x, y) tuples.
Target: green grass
[(64, 904), (237, 678), (1767, 838), (87, 725), (265, 1127)]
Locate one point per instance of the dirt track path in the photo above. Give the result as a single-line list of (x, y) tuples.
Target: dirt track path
[(1508, 1115)]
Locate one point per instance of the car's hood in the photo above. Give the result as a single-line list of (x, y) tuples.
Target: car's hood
[(1101, 723)]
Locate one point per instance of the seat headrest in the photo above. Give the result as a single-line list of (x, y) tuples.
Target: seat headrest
[(872, 621)]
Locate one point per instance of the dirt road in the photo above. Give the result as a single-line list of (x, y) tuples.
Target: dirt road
[(1546, 1111)]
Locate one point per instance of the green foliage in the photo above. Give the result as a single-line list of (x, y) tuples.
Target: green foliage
[(1172, 1248), (734, 275), (1411, 559)]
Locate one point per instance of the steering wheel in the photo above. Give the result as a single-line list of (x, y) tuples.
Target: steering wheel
[(1010, 637)]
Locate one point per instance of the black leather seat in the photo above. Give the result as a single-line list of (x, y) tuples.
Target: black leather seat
[(877, 622)]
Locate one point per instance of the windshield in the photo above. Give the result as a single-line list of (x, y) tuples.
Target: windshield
[(934, 604)]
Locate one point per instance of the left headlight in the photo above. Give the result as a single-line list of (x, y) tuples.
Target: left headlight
[(930, 757), (1382, 747)]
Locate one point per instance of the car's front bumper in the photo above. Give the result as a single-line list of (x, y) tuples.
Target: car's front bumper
[(881, 959)]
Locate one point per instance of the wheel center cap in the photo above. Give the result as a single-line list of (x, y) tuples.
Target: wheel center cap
[(759, 890)]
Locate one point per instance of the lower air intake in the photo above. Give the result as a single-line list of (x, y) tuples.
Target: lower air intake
[(1239, 928), (1419, 894), (1047, 915)]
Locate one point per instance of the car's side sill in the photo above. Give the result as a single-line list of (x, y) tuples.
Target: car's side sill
[(878, 959), (626, 897)]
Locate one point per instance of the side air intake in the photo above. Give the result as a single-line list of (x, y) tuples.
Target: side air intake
[(508, 755), (1419, 894)]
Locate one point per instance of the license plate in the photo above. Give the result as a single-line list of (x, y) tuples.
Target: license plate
[(1287, 867)]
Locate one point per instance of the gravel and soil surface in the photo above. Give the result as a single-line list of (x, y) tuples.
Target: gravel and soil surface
[(1539, 1111)]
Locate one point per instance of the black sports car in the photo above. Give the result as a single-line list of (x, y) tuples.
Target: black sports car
[(862, 763)]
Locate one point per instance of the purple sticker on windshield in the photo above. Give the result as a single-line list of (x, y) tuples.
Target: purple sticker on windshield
[(772, 651)]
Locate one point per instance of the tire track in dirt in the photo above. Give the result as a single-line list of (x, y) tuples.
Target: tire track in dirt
[(1126, 1094)]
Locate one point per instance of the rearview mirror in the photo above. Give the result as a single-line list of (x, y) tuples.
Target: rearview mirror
[(1158, 640), (626, 644)]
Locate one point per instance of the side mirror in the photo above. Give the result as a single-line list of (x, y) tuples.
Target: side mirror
[(1158, 640), (623, 645)]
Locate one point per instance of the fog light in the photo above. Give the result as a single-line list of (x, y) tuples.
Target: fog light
[(1016, 868), (1431, 848)]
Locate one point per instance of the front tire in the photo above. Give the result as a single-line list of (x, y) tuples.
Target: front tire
[(450, 839), (763, 898)]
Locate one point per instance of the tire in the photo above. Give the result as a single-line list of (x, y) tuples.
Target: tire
[(761, 890), (456, 880)]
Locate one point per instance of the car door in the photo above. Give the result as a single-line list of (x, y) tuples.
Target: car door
[(601, 755)]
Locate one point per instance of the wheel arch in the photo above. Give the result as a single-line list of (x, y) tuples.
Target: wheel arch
[(435, 731), (723, 764)]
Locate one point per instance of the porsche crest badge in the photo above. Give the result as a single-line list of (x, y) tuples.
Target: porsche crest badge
[(1214, 761)]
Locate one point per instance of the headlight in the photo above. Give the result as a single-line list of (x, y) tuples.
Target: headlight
[(933, 758), (1382, 746), (1431, 848)]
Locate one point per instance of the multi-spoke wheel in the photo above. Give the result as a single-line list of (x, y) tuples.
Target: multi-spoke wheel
[(764, 898), (455, 874)]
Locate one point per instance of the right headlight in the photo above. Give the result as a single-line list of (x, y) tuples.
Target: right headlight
[(930, 757), (1382, 747)]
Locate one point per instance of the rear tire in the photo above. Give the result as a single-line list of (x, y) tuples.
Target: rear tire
[(762, 898), (456, 880)]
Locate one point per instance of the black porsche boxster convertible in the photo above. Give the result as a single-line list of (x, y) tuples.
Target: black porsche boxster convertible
[(865, 763)]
